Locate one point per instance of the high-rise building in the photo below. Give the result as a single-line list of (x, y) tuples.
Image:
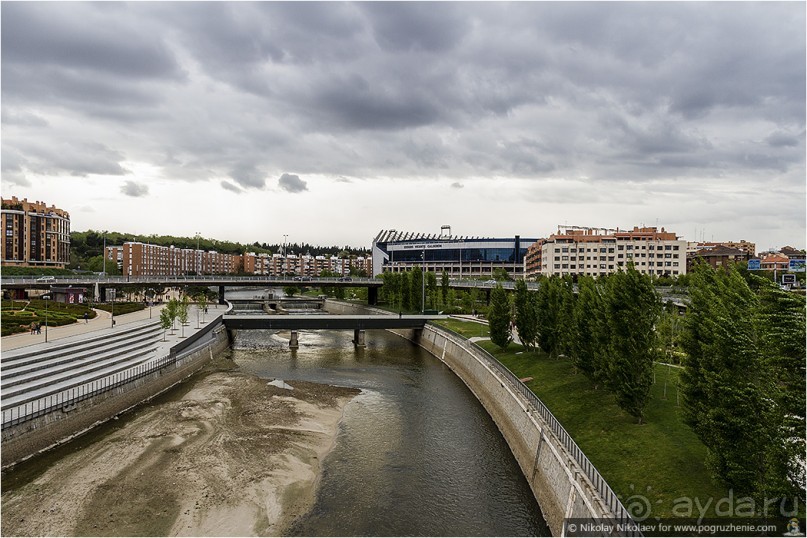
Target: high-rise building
[(35, 235), (576, 250)]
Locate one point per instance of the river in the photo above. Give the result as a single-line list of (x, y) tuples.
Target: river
[(416, 453)]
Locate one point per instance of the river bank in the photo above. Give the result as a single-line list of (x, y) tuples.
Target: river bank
[(232, 456)]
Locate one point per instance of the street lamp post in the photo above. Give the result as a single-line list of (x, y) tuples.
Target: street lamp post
[(47, 300), (285, 256), (104, 252), (423, 282)]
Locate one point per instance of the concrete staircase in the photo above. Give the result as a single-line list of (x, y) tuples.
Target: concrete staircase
[(29, 375)]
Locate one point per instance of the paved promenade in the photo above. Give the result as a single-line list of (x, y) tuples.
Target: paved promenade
[(102, 322)]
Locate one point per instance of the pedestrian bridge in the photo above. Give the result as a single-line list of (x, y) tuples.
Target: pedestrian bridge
[(358, 323)]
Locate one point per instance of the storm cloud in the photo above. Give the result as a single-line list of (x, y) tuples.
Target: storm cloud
[(551, 93)]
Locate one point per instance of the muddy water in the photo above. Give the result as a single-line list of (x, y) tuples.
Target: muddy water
[(416, 453)]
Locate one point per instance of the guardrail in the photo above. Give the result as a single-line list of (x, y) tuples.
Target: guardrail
[(72, 396), (611, 500)]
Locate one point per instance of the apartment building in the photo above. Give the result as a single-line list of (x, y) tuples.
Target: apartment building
[(35, 235), (717, 256), (143, 259), (745, 246), (576, 250)]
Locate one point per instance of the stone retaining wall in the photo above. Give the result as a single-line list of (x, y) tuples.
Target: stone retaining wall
[(37, 435)]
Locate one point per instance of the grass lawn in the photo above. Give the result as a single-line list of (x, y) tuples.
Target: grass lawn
[(468, 329), (661, 460)]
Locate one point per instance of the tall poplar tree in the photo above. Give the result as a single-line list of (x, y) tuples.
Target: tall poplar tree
[(587, 329), (526, 315), (633, 309), (499, 317), (729, 394)]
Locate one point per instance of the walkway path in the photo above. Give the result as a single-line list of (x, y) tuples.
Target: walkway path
[(100, 322)]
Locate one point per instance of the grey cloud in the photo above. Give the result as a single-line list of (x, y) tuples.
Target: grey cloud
[(611, 91), (75, 158), (231, 187), (457, 185), (781, 139), (406, 26), (248, 176), (292, 183), (84, 36), (135, 190)]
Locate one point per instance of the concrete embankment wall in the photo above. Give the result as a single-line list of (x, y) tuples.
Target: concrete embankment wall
[(33, 436), (558, 483)]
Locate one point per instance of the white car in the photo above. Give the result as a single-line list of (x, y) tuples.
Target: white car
[(46, 279)]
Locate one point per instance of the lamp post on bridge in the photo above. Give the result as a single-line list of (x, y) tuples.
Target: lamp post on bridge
[(423, 282)]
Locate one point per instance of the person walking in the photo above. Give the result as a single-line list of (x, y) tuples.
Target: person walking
[(38, 328), (86, 317)]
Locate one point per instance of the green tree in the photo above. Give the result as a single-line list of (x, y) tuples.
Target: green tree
[(500, 274), (290, 290), (166, 322), (499, 317), (526, 315), (565, 328), (182, 313), (726, 385), (444, 288), (633, 310), (406, 286), (415, 289), (589, 340), (549, 303), (780, 320), (201, 302), (173, 311), (431, 288)]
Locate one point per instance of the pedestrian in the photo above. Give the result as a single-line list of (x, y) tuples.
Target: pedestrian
[(38, 328), (33, 328), (86, 317)]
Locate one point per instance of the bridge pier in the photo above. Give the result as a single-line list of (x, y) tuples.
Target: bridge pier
[(221, 295), (372, 296), (358, 338), (293, 341)]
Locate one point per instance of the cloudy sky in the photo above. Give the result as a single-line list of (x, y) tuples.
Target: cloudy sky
[(328, 122)]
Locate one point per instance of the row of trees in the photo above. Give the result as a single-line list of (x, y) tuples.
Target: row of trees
[(744, 380), (607, 329), (742, 346), (405, 291), (177, 310)]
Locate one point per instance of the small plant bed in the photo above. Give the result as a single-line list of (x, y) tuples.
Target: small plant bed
[(18, 316), (120, 308), (657, 466)]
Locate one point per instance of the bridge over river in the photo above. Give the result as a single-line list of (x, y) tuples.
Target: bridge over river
[(358, 323)]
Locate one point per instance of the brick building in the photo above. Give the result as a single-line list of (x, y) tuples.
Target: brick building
[(35, 235)]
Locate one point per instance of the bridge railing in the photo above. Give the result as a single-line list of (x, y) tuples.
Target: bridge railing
[(69, 397), (609, 497)]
